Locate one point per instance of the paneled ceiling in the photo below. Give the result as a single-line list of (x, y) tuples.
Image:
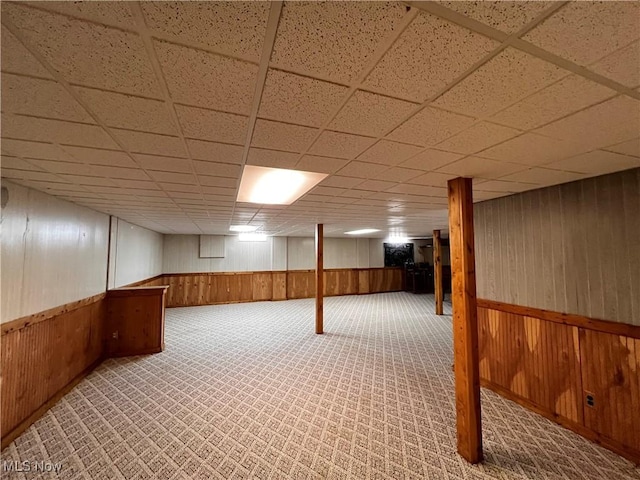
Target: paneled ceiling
[(150, 110)]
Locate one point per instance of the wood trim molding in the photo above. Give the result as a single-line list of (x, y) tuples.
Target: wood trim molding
[(138, 291), (141, 282), (605, 326), (29, 320)]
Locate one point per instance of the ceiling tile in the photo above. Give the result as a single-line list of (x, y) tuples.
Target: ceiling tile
[(584, 32), (282, 136), (211, 125), (425, 190), (506, 16), (504, 186), (92, 170), (87, 53), (340, 181), (340, 145), (370, 114), (217, 169), (25, 149), (361, 170), (140, 142), (94, 156), (344, 47), (126, 111), (607, 123), (302, 100), (30, 175), (272, 158), (116, 14), (430, 126), (58, 131), (213, 181), (597, 162), (136, 184), (430, 160), (562, 98), (480, 167), (167, 164), (376, 185), (621, 66), (543, 176), (397, 174), (233, 28), (174, 177), (389, 153), (89, 181), (203, 79), (632, 147), (503, 80), (215, 152), (41, 98), (434, 179), (15, 163), (532, 150), (312, 163), (17, 59), (480, 136), (429, 54)]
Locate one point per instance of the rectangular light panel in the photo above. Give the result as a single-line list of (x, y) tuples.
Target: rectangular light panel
[(275, 186)]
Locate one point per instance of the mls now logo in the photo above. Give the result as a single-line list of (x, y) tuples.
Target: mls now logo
[(29, 466)]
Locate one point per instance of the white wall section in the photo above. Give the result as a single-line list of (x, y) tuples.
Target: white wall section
[(136, 255)]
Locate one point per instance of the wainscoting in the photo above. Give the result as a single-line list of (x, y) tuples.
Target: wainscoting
[(551, 362)]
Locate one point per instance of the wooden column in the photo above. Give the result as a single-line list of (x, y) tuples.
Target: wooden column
[(465, 320), (437, 271), (319, 279)]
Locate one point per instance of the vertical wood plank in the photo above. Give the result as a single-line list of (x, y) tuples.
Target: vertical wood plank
[(465, 321), (319, 279), (437, 270)]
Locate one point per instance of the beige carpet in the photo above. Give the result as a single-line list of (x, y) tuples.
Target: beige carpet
[(249, 391)]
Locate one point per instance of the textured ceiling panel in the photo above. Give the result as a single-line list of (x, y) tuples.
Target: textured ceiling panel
[(211, 125), (312, 163), (94, 156), (499, 83), (167, 164), (506, 16), (622, 66), (430, 126), (631, 147), (428, 55), (480, 136), (333, 39), (140, 142), (480, 168), (234, 29), (17, 59), (218, 169), (370, 114), (398, 174), (584, 32), (570, 94), (282, 136), (202, 79), (433, 179), (543, 176), (596, 162), (109, 13), (361, 170), (87, 53), (340, 145), (302, 100), (430, 160), (530, 149), (389, 153), (272, 158), (26, 149), (214, 152)]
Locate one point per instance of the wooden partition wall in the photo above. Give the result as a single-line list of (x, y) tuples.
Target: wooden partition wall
[(580, 372)]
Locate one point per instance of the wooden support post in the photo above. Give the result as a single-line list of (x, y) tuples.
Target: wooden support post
[(437, 271), (465, 320), (319, 279)]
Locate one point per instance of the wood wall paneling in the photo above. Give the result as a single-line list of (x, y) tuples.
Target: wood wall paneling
[(363, 281), (279, 285)]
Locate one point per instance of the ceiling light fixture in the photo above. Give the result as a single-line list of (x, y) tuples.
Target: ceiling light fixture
[(363, 231), (275, 186), (243, 228), (252, 237)]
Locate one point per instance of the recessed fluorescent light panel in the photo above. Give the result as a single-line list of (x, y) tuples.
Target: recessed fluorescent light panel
[(243, 228), (252, 237), (364, 231), (275, 186)]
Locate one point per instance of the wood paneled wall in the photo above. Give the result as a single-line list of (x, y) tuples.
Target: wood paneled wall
[(569, 248), (212, 288), (550, 362)]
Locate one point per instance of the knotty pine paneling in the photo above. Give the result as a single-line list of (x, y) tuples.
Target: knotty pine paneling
[(386, 280), (301, 284)]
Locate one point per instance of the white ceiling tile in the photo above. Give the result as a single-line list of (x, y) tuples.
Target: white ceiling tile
[(503, 80), (17, 59), (37, 175), (282, 136), (584, 32), (340, 181), (302, 100), (87, 53), (140, 142), (203, 79), (272, 158), (340, 145), (607, 123), (41, 98), (621, 66), (430, 126), (343, 47), (228, 192), (631, 147), (376, 185), (92, 170), (480, 136), (26, 149), (504, 186), (430, 160), (434, 179), (89, 181), (58, 131), (215, 152), (570, 94), (480, 167), (94, 156), (597, 162), (397, 174), (167, 164), (389, 153), (109, 13), (429, 54), (361, 170), (212, 125), (543, 176), (126, 111), (218, 169), (174, 177), (532, 150), (234, 28), (136, 184), (370, 114), (15, 163), (225, 182), (312, 163), (425, 190), (506, 16)]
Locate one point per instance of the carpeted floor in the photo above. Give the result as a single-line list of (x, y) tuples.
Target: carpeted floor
[(249, 391)]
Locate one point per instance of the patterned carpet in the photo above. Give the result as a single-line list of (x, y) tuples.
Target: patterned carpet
[(249, 391)]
